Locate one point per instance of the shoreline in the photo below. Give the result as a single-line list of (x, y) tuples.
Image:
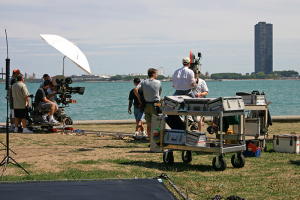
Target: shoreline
[(282, 119)]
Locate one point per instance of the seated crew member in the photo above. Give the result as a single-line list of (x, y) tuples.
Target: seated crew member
[(184, 79), (137, 112), (42, 101), (52, 93), (151, 90), (200, 91)]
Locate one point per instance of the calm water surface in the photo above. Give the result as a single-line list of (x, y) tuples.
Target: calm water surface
[(109, 100)]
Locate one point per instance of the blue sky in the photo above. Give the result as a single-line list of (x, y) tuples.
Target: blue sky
[(130, 36)]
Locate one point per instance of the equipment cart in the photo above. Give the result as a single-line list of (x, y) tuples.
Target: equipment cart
[(220, 149), (258, 117)]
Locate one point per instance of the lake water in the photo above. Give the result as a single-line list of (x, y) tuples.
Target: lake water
[(109, 100)]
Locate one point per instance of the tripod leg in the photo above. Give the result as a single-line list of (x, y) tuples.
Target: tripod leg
[(9, 148), (6, 161), (17, 164)]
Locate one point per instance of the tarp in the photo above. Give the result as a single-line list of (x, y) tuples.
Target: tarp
[(145, 189)]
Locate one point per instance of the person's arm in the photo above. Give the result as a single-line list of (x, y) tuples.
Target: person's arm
[(136, 92), (129, 106), (28, 101), (50, 95), (201, 94), (46, 100)]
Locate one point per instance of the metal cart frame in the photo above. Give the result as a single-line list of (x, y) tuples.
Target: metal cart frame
[(219, 163)]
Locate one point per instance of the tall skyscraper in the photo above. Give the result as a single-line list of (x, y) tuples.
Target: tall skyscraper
[(264, 48)]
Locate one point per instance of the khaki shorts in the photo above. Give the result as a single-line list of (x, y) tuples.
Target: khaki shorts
[(149, 110)]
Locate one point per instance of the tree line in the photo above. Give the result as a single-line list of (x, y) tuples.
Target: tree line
[(130, 78), (259, 75)]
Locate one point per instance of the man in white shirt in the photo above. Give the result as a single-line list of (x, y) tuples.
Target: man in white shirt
[(184, 79)]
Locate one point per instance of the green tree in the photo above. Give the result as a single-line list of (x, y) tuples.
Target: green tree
[(260, 75), (117, 77)]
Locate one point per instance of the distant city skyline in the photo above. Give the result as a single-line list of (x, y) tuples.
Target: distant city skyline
[(263, 47)]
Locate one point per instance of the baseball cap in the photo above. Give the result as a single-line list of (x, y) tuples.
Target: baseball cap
[(16, 71), (186, 60)]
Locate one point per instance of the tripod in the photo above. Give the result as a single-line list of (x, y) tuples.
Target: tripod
[(8, 159)]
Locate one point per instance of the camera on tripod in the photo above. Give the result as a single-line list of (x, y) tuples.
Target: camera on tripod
[(64, 90), (195, 62)]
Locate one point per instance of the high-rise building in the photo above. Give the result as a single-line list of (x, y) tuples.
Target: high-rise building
[(264, 48)]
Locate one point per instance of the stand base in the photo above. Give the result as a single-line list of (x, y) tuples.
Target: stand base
[(6, 161)]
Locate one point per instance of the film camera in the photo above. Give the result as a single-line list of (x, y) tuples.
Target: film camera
[(62, 88), (64, 94), (195, 63)]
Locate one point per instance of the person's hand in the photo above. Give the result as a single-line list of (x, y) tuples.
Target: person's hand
[(197, 94), (28, 106), (129, 111)]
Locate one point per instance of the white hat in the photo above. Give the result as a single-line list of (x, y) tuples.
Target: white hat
[(186, 61)]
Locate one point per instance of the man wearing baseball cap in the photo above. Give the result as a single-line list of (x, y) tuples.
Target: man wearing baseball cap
[(184, 79), (12, 79)]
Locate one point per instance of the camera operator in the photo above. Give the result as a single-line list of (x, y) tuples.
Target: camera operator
[(45, 77), (184, 79), (42, 101), (151, 90), (21, 103), (137, 112), (200, 90)]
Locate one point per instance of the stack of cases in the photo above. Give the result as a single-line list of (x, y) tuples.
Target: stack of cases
[(196, 139), (196, 104), (235, 103), (173, 136), (175, 102)]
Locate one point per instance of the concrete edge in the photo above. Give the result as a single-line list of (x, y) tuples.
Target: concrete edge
[(283, 119)]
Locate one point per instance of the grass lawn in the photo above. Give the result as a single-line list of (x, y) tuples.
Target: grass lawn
[(56, 156)]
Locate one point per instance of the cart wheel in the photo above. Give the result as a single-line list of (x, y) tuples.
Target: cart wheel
[(69, 121), (194, 127), (222, 164), (187, 156), (239, 161), (168, 158)]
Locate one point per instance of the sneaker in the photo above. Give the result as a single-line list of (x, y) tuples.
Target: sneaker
[(11, 128), (16, 130), (53, 121), (145, 134), (44, 118), (136, 136), (25, 130)]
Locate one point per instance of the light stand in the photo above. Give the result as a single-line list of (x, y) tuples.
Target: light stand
[(7, 159)]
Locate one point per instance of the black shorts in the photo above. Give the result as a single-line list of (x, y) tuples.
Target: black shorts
[(21, 113)]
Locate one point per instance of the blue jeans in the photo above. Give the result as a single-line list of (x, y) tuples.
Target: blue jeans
[(184, 92), (138, 114)]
